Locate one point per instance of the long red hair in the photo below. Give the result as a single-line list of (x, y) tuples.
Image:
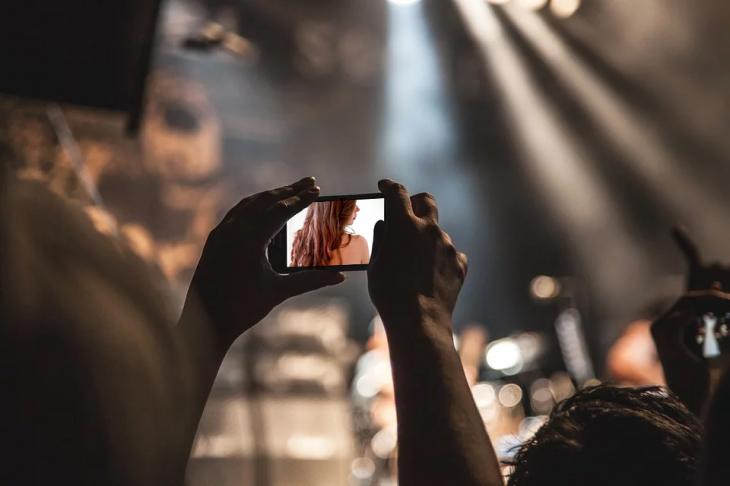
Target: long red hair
[(321, 236)]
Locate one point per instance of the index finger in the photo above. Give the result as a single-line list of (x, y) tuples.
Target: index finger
[(396, 198), (263, 200), (270, 222)]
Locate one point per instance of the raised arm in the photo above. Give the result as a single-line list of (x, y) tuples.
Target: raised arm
[(715, 466), (688, 374), (703, 384), (414, 279), (234, 287)]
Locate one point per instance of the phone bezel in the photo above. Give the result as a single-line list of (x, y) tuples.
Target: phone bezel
[(279, 244)]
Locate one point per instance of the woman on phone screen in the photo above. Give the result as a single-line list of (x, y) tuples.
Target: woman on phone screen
[(326, 238)]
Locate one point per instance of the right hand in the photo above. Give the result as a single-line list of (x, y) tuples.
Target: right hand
[(687, 374), (415, 270)]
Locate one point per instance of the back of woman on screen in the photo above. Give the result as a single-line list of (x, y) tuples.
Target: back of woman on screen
[(326, 239)]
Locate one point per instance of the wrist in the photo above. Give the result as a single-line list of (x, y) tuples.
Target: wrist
[(199, 329), (426, 318)]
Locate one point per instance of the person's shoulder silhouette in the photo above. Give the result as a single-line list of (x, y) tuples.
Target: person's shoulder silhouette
[(84, 342)]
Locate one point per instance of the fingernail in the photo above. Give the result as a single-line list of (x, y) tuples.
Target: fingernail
[(383, 182)]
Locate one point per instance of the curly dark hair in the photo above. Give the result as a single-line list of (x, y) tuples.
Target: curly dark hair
[(607, 435)]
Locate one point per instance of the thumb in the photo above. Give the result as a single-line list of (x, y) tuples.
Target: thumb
[(306, 281), (378, 239)]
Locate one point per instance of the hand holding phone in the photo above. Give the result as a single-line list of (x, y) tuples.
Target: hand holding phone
[(707, 334), (416, 270), (234, 283), (692, 338)]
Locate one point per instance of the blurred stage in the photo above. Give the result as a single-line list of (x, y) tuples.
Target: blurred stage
[(561, 138)]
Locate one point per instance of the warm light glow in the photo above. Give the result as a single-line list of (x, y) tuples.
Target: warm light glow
[(403, 2), (311, 447), (532, 4), (544, 287), (565, 8), (497, 2), (510, 395), (483, 394), (384, 442), (504, 354), (661, 171), (558, 162)]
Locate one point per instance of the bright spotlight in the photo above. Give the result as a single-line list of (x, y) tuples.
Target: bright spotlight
[(532, 4), (543, 287), (510, 395), (504, 354), (403, 3), (384, 442), (565, 8), (484, 395)]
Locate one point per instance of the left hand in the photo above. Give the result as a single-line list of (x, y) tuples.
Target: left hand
[(234, 281)]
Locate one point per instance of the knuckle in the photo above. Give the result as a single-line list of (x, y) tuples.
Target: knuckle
[(433, 230), (284, 204), (281, 206), (398, 187), (451, 250)]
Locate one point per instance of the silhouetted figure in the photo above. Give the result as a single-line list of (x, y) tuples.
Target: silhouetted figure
[(100, 387), (608, 435)]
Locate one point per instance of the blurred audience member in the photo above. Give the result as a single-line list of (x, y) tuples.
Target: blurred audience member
[(609, 435), (633, 359), (100, 386)]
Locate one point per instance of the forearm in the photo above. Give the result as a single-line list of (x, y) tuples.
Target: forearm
[(715, 467), (202, 351), (442, 439)]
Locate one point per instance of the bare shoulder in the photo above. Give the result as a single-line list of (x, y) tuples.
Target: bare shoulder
[(361, 246), (359, 242), (354, 250)]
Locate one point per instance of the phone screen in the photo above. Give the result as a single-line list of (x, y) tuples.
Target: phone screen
[(334, 232), (709, 334)]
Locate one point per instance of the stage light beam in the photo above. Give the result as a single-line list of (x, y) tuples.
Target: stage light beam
[(662, 173), (564, 8), (557, 161)]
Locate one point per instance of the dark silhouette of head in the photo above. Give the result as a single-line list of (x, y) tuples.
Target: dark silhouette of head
[(608, 435)]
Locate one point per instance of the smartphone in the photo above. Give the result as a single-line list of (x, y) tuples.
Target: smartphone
[(334, 233)]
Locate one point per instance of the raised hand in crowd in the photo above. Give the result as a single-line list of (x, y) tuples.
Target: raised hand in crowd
[(688, 373), (704, 384), (234, 285), (414, 279), (234, 281)]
